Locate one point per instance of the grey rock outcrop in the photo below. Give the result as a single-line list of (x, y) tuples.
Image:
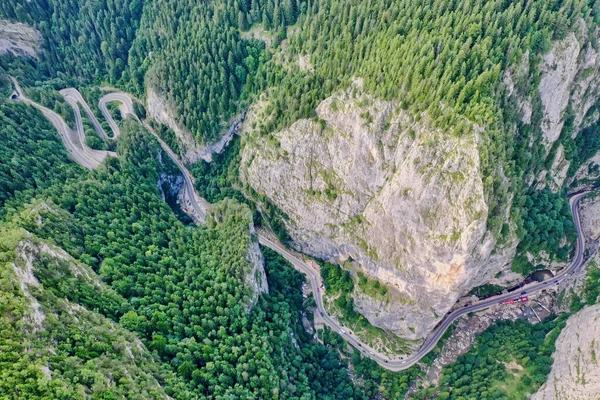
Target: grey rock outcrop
[(559, 70), (569, 87), (405, 201), (192, 151), (575, 373), (158, 110), (256, 279), (590, 218), (19, 39)]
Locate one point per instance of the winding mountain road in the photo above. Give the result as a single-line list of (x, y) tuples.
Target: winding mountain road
[(74, 141), (198, 204), (91, 159), (396, 364)]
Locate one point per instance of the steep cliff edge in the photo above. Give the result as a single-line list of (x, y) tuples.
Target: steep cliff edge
[(575, 373), (55, 341), (569, 89), (368, 182), (404, 202)]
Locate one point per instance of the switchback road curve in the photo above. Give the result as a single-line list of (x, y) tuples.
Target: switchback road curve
[(74, 141)]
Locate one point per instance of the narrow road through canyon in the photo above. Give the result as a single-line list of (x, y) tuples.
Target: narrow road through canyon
[(75, 143)]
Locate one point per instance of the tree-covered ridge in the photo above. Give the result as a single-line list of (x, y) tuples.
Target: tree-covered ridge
[(192, 53), (70, 350), (442, 57), (182, 287), (83, 39), (510, 360)]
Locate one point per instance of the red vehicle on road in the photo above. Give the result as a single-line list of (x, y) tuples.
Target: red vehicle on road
[(521, 299)]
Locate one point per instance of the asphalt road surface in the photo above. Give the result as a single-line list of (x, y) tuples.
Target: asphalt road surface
[(74, 140), (78, 151), (199, 205), (127, 108)]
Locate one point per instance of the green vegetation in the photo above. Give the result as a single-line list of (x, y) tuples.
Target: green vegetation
[(441, 56), (216, 180), (590, 290), (87, 355), (339, 286), (547, 221), (583, 147), (49, 98), (180, 289), (371, 287), (92, 96), (313, 365), (199, 62), (486, 289), (82, 39), (219, 179), (376, 380), (92, 139), (31, 151), (509, 361)]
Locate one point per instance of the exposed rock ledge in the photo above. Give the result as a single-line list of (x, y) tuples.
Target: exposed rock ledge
[(19, 39), (575, 373), (192, 151), (404, 200), (256, 279)]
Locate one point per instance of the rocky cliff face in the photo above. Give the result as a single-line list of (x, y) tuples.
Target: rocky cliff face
[(192, 151), (570, 79), (43, 316), (575, 373), (405, 201), (590, 218), (256, 279), (19, 39), (569, 87), (366, 181), (158, 110)]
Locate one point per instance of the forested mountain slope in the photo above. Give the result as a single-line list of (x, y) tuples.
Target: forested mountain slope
[(83, 39), (426, 147), (56, 339), (428, 164)]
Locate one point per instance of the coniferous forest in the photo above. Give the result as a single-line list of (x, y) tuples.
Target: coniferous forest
[(138, 302)]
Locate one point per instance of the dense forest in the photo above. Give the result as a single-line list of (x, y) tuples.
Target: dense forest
[(510, 360), (180, 289), (31, 152), (83, 39)]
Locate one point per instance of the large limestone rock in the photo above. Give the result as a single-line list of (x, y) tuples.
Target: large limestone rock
[(559, 70), (405, 201), (19, 39), (570, 76), (590, 217), (575, 373)]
